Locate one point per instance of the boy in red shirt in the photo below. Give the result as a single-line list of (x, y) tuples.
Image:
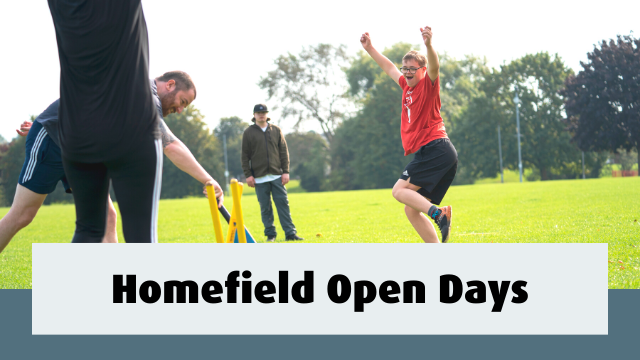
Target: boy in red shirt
[(427, 178)]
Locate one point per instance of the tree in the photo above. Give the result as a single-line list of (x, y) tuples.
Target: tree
[(603, 101), (12, 157), (233, 127), (309, 159), (191, 129), (311, 85), (545, 142), (459, 83), (367, 149)]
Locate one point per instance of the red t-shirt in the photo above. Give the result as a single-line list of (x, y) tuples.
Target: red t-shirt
[(421, 120)]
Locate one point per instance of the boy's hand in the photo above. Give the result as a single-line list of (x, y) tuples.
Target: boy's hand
[(426, 35), (365, 40), (385, 64)]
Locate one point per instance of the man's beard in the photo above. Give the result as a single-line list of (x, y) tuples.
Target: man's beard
[(167, 102)]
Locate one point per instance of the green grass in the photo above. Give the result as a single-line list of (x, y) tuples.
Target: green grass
[(571, 211), (510, 176)]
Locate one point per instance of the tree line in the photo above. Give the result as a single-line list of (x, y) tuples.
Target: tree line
[(357, 106)]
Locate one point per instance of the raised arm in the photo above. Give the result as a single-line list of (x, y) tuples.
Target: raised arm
[(182, 157), (433, 68), (382, 61)]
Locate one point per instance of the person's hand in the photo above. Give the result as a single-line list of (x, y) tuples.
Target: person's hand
[(217, 189), (365, 40), (285, 179), (24, 128), (251, 181), (426, 35)]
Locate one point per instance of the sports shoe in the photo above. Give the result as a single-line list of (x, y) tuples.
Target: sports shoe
[(293, 237), (443, 220), (271, 238)]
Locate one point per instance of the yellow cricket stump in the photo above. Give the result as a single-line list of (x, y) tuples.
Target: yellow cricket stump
[(213, 205), (232, 228), (236, 192)]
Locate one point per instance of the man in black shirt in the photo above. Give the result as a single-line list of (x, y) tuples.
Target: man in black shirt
[(107, 119)]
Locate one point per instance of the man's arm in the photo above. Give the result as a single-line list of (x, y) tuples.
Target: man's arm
[(284, 159), (182, 157), (382, 61), (166, 135), (433, 68)]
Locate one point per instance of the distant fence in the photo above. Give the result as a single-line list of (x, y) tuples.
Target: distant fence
[(624, 173)]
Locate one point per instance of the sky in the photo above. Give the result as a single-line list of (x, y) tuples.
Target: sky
[(227, 46)]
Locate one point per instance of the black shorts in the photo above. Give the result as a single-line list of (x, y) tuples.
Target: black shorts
[(42, 168), (433, 169)]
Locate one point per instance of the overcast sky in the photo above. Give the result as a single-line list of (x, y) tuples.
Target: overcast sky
[(227, 46)]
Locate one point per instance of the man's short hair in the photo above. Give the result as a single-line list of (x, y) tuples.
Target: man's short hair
[(182, 79), (414, 55)]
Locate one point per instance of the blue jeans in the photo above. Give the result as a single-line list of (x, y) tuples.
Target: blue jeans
[(279, 192)]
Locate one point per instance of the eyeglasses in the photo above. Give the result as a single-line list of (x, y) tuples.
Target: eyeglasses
[(405, 70)]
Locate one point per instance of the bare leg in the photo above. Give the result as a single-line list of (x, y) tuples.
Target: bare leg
[(416, 204), (423, 226), (25, 206), (111, 232)]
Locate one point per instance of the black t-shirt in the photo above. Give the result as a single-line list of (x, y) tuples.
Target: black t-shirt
[(106, 105)]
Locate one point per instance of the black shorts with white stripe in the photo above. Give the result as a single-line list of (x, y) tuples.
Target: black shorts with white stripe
[(136, 179), (42, 168)]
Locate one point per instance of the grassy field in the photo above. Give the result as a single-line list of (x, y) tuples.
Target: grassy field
[(582, 211)]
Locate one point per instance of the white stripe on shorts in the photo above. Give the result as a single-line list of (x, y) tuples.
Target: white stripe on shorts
[(157, 185), (33, 158)]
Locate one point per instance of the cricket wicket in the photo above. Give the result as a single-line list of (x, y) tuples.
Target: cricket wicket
[(235, 219)]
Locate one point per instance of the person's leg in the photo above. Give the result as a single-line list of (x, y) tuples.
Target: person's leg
[(26, 204), (407, 193), (422, 225), (90, 186), (137, 180), (424, 183), (282, 205), (263, 192), (111, 232), (34, 182)]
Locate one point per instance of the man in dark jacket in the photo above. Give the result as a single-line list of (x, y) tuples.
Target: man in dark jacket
[(265, 161)]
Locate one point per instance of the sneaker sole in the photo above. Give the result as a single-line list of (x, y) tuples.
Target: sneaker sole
[(449, 226)]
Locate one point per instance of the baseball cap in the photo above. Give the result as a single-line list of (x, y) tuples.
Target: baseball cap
[(260, 108)]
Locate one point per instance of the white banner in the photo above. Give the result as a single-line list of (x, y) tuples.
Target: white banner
[(320, 289)]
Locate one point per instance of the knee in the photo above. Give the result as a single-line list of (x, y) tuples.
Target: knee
[(24, 218), (283, 201), (395, 192)]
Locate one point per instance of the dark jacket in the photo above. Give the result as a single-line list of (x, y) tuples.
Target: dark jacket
[(265, 152)]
